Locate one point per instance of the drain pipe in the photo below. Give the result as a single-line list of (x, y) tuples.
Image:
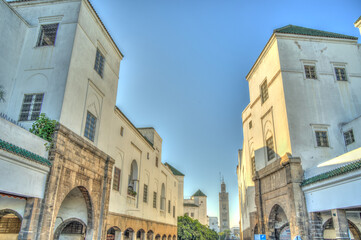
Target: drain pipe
[(104, 192)]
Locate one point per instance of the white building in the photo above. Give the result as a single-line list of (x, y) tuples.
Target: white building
[(196, 207), (303, 121), (213, 223), (106, 177)]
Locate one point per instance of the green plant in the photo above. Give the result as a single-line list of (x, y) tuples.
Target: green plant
[(132, 192), (191, 229), (44, 127)]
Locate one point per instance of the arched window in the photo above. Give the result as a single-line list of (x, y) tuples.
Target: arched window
[(162, 198), (133, 179)]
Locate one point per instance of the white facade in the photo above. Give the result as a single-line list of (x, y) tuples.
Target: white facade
[(298, 106), (65, 73), (196, 207)]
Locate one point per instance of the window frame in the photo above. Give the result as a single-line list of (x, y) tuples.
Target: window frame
[(338, 65), (99, 64), (94, 128), (311, 65), (348, 134), (114, 179), (145, 193), (264, 94), (32, 104), (40, 39), (323, 141)]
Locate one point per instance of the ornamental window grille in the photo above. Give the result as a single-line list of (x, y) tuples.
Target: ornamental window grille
[(310, 72), (321, 138), (264, 91), (116, 179), (253, 160), (90, 126), (349, 138), (10, 223), (270, 148), (31, 108), (47, 34), (99, 63), (145, 193), (73, 228), (154, 200), (340, 74)]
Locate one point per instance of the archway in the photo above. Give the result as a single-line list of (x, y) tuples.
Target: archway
[(278, 225), (75, 216), (150, 235), (330, 233), (164, 237), (113, 233), (169, 237), (133, 178), (157, 237), (128, 234), (255, 229), (140, 235), (10, 224), (174, 237)]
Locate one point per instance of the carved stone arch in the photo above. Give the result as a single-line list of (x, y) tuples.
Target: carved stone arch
[(65, 223), (169, 237), (37, 80), (277, 221), (150, 235), (157, 237), (354, 230), (164, 237), (140, 234), (89, 207), (174, 237), (6, 211)]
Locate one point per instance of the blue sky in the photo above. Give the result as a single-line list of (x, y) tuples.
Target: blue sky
[(184, 73)]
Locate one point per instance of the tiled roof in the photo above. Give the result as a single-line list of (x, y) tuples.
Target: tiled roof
[(358, 19), (190, 205), (23, 153), (333, 173), (199, 193), (292, 29), (174, 170)]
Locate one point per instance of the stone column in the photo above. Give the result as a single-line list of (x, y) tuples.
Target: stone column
[(340, 223), (30, 220), (315, 226)]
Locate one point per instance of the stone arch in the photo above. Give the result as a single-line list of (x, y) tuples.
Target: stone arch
[(169, 237), (66, 223), (164, 237), (278, 223), (255, 229), (174, 237), (73, 206), (353, 228), (150, 235), (113, 233), (128, 234), (157, 237), (162, 197), (140, 234), (12, 219)]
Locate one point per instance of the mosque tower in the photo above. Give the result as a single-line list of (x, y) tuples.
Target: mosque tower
[(223, 208)]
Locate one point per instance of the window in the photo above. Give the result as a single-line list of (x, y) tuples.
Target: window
[(168, 206), (154, 200), (73, 228), (47, 35), (156, 161), (349, 138), (310, 72), (99, 63), (192, 214), (321, 138), (250, 124), (145, 193), (121, 131), (264, 91), (9, 223), (90, 125), (148, 155), (31, 107), (340, 74), (116, 179), (174, 211), (270, 149)]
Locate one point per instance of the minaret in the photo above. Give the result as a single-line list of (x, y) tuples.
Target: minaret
[(223, 208)]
